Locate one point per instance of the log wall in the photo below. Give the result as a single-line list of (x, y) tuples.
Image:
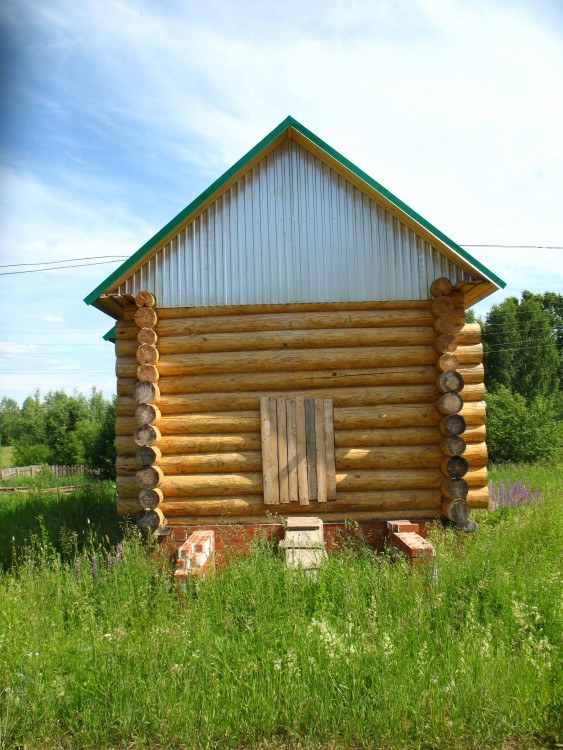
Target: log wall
[(188, 409)]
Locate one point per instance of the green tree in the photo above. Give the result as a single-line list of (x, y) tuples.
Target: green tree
[(9, 420), (520, 350), (520, 430)]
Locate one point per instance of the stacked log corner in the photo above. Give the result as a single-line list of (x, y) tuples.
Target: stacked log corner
[(453, 340), (146, 394), (204, 370)]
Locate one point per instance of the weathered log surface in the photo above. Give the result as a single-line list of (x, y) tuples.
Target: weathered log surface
[(298, 359), (143, 435), (146, 373), (453, 446), (352, 319), (456, 510), (442, 306), (450, 382), (441, 286), (145, 393), (145, 299), (145, 456), (149, 477), (445, 342), (151, 498), (146, 354), (449, 403), (145, 336), (147, 413), (145, 317), (453, 424), (455, 489), (447, 362), (455, 467), (149, 521)]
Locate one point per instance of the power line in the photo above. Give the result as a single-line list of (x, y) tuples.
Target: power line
[(57, 268), (66, 260), (521, 247)]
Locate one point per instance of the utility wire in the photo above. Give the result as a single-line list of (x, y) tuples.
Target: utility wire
[(66, 260), (520, 247), (56, 268)]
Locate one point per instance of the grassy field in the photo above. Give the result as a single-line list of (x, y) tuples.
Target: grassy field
[(6, 456), (97, 651)]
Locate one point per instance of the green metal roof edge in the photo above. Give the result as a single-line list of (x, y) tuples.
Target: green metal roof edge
[(289, 122), (110, 335)]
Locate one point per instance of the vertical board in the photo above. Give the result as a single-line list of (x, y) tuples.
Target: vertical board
[(269, 453)]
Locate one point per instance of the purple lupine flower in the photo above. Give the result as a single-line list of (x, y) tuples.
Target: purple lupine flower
[(118, 553), (95, 568), (109, 562), (512, 495)]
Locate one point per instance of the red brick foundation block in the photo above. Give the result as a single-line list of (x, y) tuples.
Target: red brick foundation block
[(196, 554), (411, 544), (403, 526)]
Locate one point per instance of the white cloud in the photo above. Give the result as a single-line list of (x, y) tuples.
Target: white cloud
[(53, 318), (10, 349)]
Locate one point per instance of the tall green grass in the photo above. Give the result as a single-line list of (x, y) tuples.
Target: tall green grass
[(368, 654)]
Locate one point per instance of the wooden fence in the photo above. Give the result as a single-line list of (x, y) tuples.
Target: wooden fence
[(56, 471)]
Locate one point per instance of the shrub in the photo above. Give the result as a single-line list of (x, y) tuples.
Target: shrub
[(518, 431)]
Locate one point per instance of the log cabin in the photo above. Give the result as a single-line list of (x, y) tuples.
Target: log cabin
[(294, 343)]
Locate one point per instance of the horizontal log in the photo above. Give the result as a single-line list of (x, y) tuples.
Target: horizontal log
[(145, 336), (478, 497), (145, 299), (449, 403), (174, 313), (401, 436), (267, 382), (345, 418), (441, 287), (146, 354), (272, 361), (145, 393), (267, 340), (145, 317), (269, 519), (473, 392), (146, 413), (469, 354), (456, 510), (149, 477), (254, 504), (472, 373), (450, 382), (469, 334), (454, 467), (474, 412), (251, 483), (388, 457), (175, 444), (210, 402)]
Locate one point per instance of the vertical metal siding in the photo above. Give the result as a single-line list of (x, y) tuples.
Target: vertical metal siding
[(292, 230)]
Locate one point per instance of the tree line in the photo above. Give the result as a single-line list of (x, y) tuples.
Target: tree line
[(523, 360), (61, 429)]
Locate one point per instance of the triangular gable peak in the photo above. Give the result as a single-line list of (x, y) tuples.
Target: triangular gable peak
[(293, 222)]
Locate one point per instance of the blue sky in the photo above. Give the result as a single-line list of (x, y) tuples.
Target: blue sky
[(116, 114)]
